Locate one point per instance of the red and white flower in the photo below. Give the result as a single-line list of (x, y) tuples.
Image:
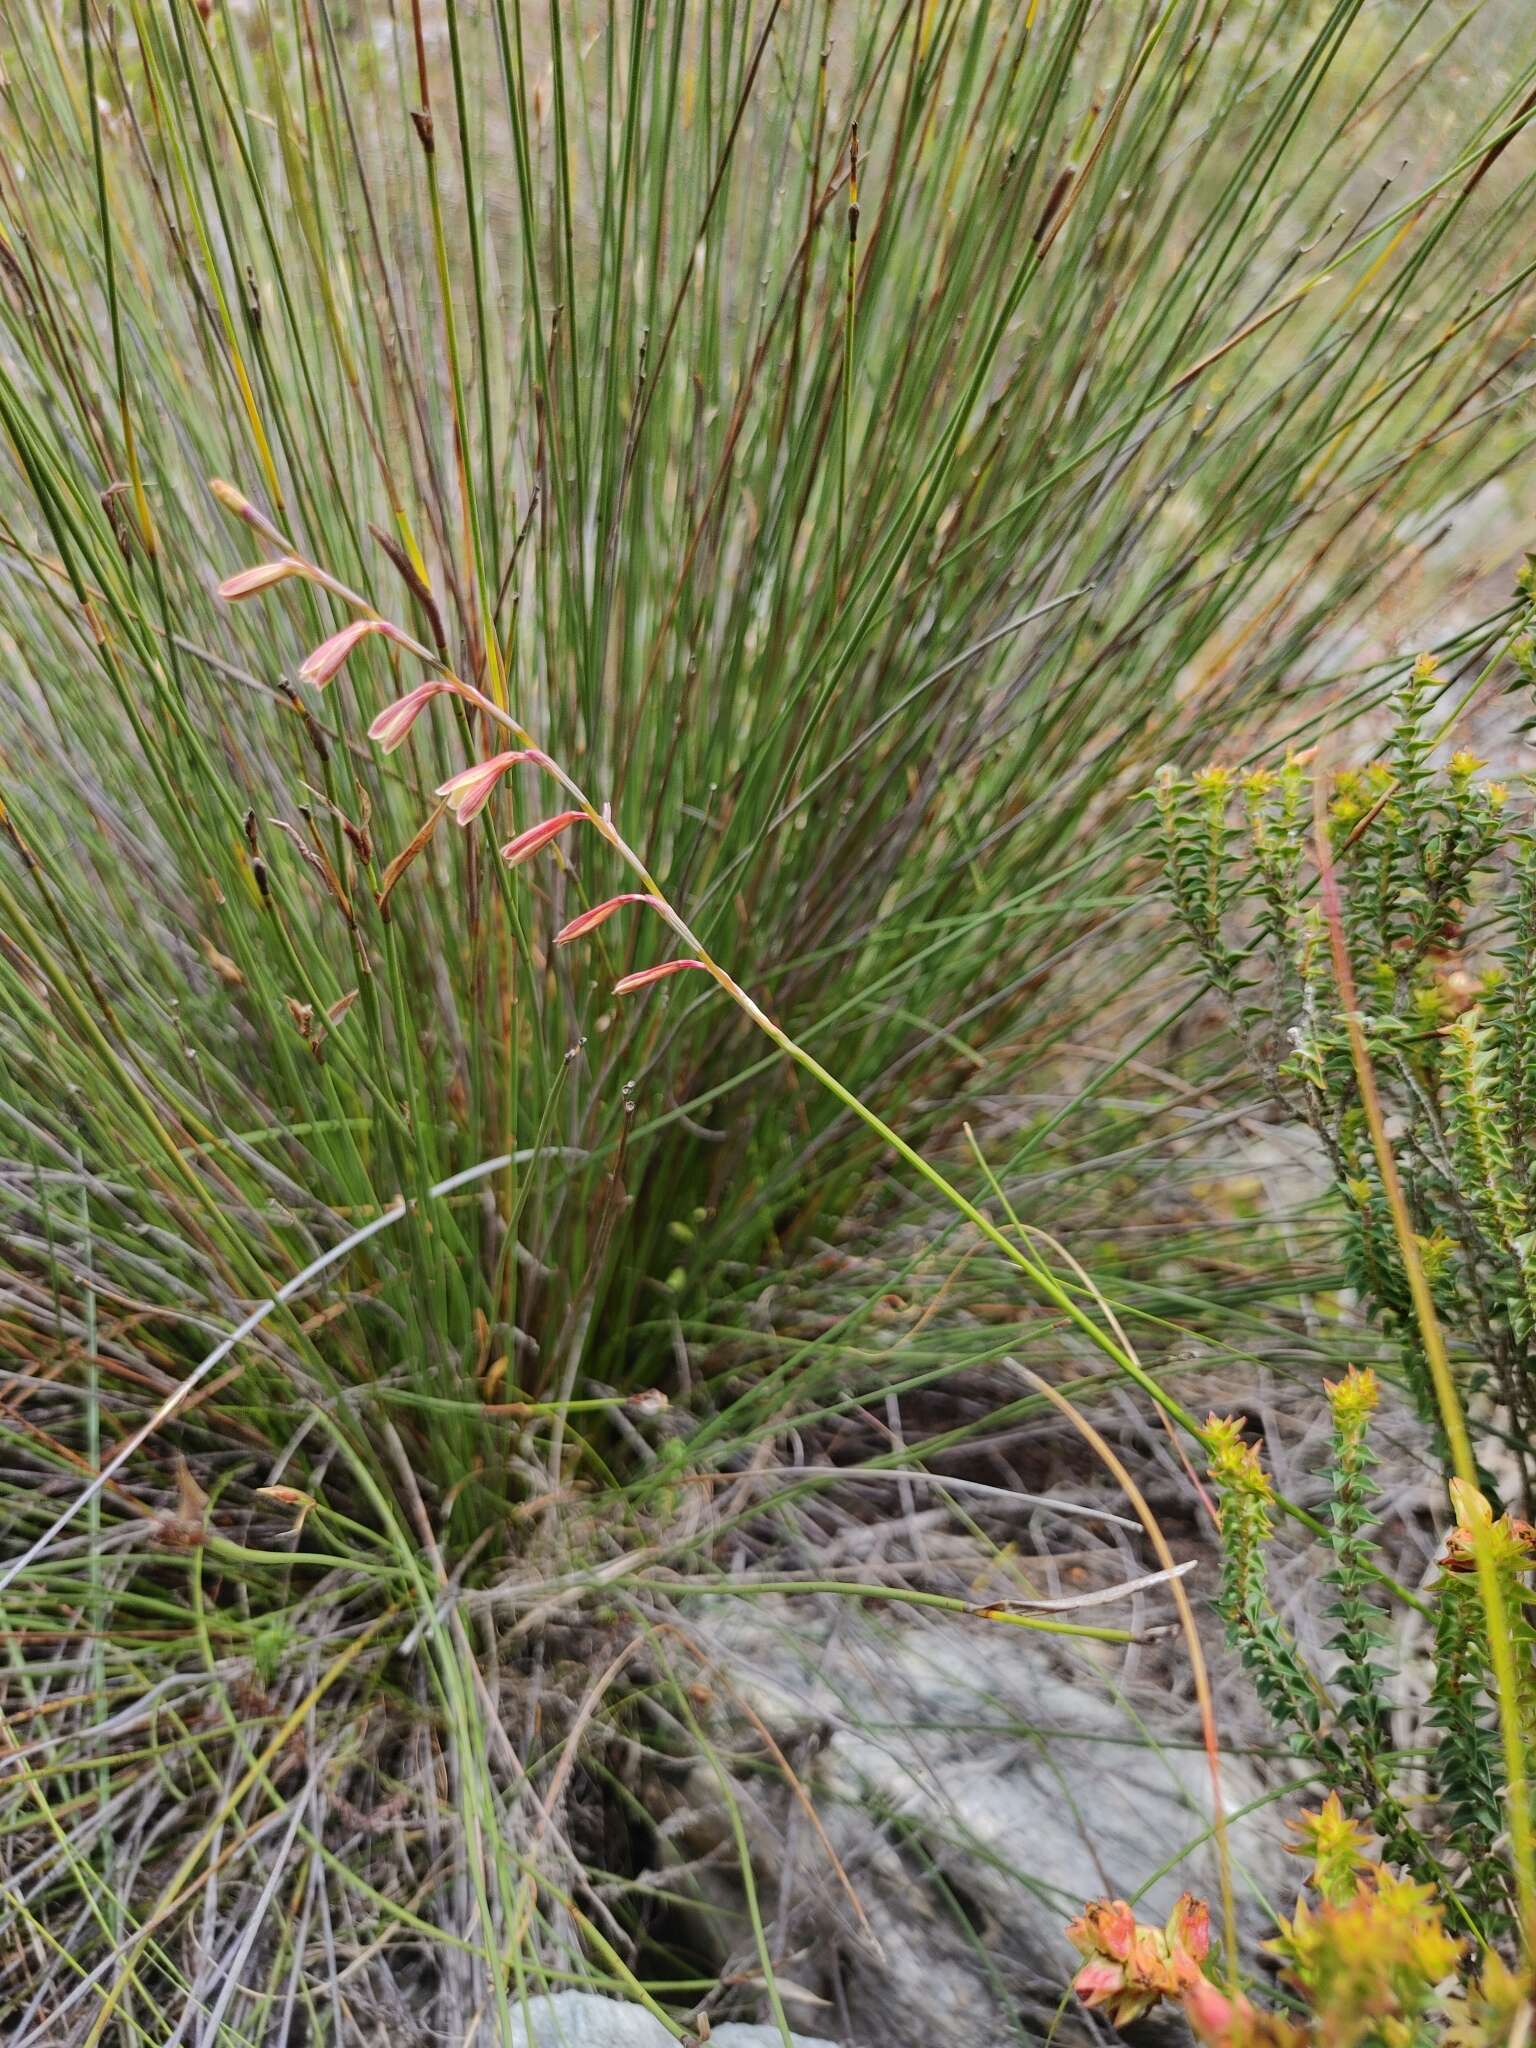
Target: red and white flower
[(469, 791), (390, 729), (528, 843), (252, 582), (628, 983), (331, 655), (589, 920)]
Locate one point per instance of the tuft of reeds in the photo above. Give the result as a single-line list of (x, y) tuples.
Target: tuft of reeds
[(858, 450)]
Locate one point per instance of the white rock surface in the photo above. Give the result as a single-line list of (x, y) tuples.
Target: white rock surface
[(580, 2019), (976, 1787)]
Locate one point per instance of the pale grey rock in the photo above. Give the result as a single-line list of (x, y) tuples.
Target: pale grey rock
[(581, 2019), (735, 2034), (976, 1785)]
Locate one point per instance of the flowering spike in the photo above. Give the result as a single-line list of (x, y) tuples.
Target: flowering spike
[(529, 842), (1353, 1399), (600, 913), (1336, 1846), (252, 582), (328, 657), (469, 791), (627, 983), (394, 722)]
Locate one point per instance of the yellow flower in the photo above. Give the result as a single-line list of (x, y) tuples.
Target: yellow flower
[(1336, 1845), (1234, 1463), (1370, 1964), (1354, 1398)]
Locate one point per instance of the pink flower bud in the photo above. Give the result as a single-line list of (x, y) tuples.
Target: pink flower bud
[(529, 842), (252, 582), (1211, 2013), (1189, 1927), (330, 655), (1097, 1981), (394, 722), (600, 913), (469, 791), (627, 983)]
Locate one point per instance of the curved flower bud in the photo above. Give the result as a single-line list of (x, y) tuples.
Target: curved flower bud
[(469, 791), (627, 983), (252, 582), (233, 499), (600, 913), (394, 722), (526, 843), (330, 655)]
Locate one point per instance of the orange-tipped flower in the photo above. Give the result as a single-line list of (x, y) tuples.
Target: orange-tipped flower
[(628, 983), (529, 842), (1189, 1927), (394, 722), (252, 582), (330, 655), (469, 791), (1105, 1927), (600, 913), (1127, 1967)]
